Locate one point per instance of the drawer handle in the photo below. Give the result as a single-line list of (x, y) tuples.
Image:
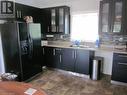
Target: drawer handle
[(73, 54), (43, 51), (60, 59), (122, 55), (54, 52), (17, 14), (123, 64), (48, 28)]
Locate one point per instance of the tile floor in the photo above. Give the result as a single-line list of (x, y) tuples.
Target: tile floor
[(55, 82)]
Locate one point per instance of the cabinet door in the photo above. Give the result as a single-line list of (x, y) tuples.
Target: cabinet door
[(117, 25), (48, 56), (82, 61), (54, 26), (68, 59), (105, 16), (43, 56), (57, 58), (125, 19), (61, 20), (23, 10), (67, 20), (47, 20), (18, 12), (119, 71)]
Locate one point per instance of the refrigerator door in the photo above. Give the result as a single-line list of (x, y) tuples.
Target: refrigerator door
[(24, 48), (30, 40), (10, 48), (35, 36)]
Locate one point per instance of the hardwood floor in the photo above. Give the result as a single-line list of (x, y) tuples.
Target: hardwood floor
[(61, 83)]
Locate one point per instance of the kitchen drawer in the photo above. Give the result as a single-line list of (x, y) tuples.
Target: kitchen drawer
[(120, 57), (57, 51)]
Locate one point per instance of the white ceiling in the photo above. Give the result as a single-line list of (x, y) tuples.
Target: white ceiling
[(76, 5)]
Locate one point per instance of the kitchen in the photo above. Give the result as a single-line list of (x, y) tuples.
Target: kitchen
[(58, 47)]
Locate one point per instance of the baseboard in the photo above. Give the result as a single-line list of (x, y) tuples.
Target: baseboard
[(30, 79), (74, 73), (118, 83)]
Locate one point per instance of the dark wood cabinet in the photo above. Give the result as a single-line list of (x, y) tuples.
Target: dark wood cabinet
[(68, 59), (75, 60), (56, 20), (23, 10), (52, 57), (57, 58), (112, 17), (48, 56), (105, 14), (82, 61), (119, 70)]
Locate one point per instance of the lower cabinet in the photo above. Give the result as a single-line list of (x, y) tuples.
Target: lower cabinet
[(68, 59), (52, 57), (48, 56), (57, 58), (119, 70), (82, 61), (75, 60)]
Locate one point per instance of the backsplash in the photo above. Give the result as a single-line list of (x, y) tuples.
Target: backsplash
[(56, 37), (115, 40), (108, 41)]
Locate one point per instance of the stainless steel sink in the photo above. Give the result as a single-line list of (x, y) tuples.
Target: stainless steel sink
[(80, 46)]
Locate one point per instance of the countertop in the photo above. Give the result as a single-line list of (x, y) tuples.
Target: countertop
[(91, 48)]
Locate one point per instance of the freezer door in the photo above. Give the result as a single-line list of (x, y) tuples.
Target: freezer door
[(10, 47)]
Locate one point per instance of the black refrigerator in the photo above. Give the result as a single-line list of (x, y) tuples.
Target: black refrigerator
[(21, 49)]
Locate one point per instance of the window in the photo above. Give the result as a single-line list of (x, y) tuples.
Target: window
[(85, 27)]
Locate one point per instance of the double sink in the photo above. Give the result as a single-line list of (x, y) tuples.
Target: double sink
[(80, 46)]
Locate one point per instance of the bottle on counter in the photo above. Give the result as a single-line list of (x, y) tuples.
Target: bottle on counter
[(97, 43)]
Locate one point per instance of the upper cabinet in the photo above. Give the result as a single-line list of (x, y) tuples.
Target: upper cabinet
[(112, 17), (104, 16), (117, 16), (23, 10), (56, 20)]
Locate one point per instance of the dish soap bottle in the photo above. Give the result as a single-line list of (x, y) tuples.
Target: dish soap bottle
[(97, 43)]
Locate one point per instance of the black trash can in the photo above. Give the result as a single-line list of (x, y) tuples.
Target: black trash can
[(9, 77), (97, 68)]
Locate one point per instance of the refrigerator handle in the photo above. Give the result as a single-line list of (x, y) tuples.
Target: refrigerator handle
[(30, 44)]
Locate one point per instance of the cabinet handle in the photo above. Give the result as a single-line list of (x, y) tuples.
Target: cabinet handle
[(122, 56), (17, 14), (75, 54), (54, 52), (60, 59), (48, 28), (43, 51), (20, 14), (125, 64)]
